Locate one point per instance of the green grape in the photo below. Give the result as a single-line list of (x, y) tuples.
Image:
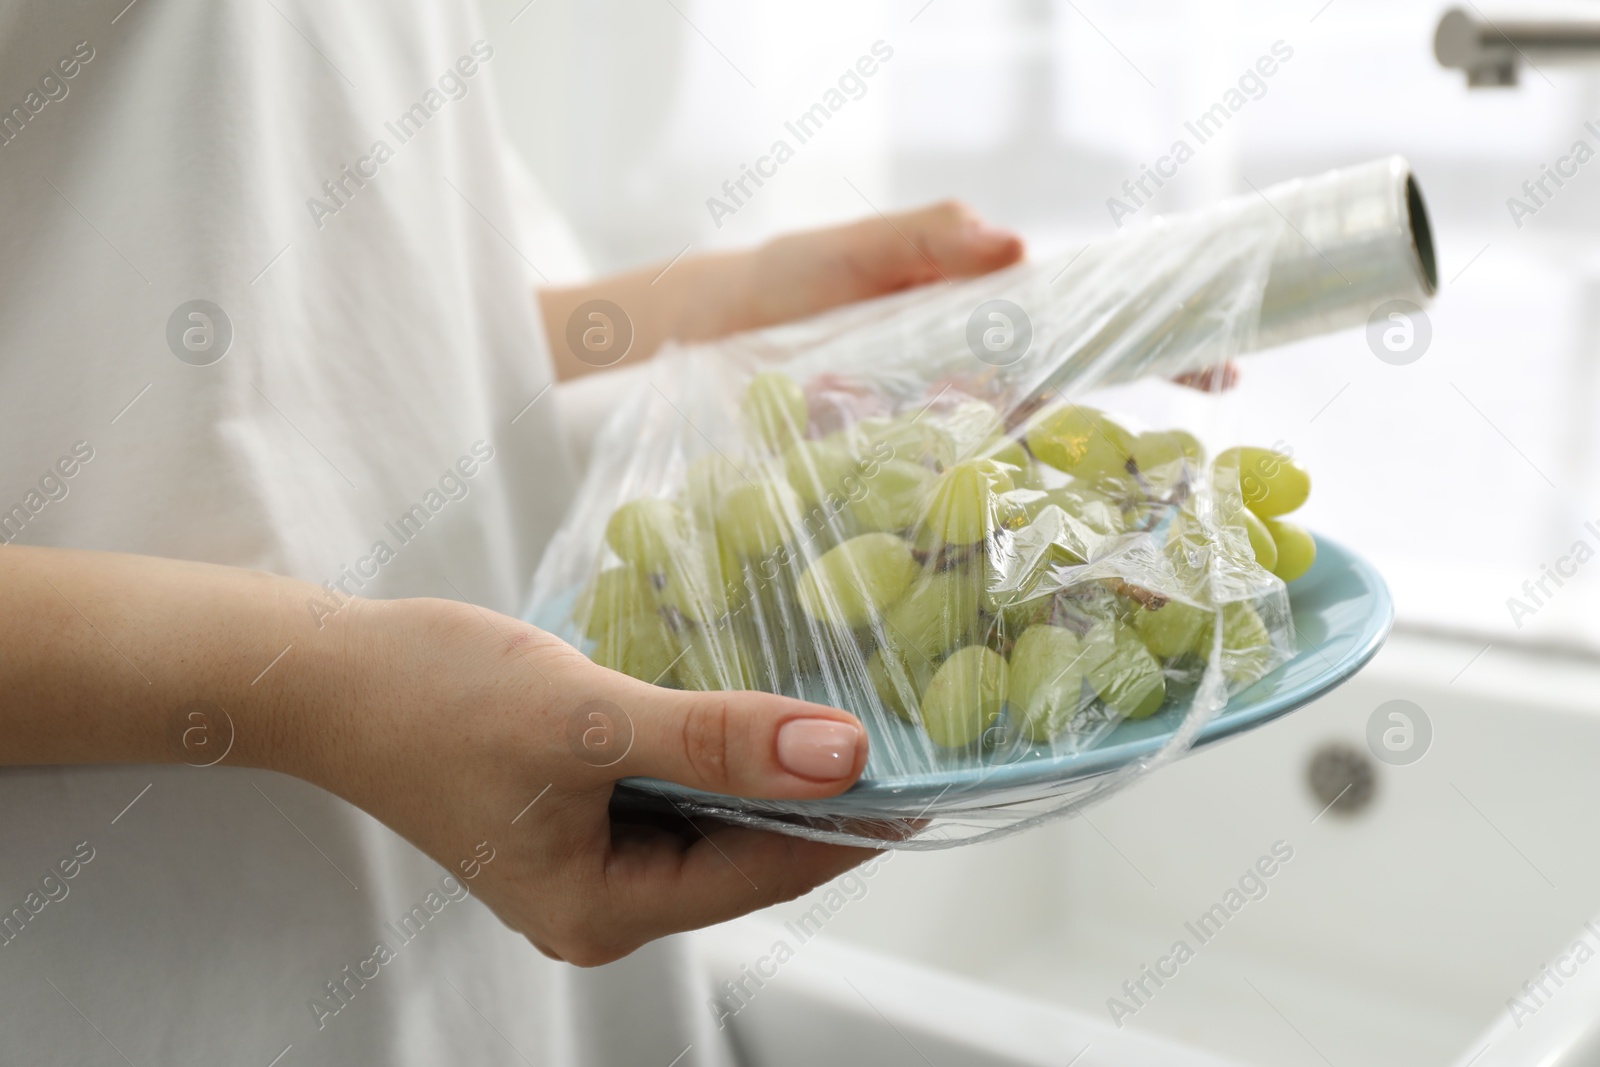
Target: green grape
[(642, 647), (1261, 542), (1270, 483), (695, 583), (731, 565), (1246, 644), (1017, 610), (713, 659), (1123, 492), (940, 610), (1010, 512), (754, 519), (1049, 665), (964, 697), (1297, 549), (1124, 673), (856, 581), (1085, 504), (615, 595), (707, 480), (1052, 535), (898, 679), (1014, 460), (965, 428), (775, 408), (818, 469), (893, 497), (910, 438), (962, 509), (1032, 476), (1188, 544), (1095, 510), (1174, 629), (1022, 572), (1162, 454), (1079, 440), (647, 531), (1007, 451)]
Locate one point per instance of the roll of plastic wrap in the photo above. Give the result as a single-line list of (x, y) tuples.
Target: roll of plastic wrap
[(1348, 241), (1355, 238)]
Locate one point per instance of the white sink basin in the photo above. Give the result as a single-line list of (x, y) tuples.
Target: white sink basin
[(836, 1004), (1394, 936)]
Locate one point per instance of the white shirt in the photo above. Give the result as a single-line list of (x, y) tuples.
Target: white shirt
[(330, 176)]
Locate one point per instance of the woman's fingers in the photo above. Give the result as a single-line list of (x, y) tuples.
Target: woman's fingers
[(741, 743), (1215, 379), (941, 242), (804, 273), (957, 241), (664, 883)]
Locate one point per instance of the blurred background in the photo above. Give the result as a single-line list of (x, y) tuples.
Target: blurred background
[(1459, 474), (1408, 922)]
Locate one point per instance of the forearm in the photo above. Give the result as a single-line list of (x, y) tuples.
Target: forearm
[(694, 299), (106, 656)]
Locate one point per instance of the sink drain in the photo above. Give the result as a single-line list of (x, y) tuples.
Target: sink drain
[(1342, 778)]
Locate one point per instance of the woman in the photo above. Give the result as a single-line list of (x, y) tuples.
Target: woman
[(266, 312)]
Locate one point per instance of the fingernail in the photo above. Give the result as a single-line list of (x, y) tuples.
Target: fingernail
[(823, 750)]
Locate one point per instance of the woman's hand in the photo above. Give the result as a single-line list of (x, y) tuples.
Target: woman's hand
[(488, 744), (472, 734), (804, 273), (700, 298)]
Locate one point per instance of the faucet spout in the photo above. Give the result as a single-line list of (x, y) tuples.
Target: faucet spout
[(1493, 52)]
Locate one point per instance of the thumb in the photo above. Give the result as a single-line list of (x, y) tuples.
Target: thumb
[(739, 743)]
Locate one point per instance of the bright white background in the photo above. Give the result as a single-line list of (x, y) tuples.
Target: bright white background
[(1459, 474)]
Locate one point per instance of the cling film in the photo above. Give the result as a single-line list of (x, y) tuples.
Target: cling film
[(918, 510)]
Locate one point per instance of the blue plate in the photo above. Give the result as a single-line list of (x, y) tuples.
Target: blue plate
[(1342, 614)]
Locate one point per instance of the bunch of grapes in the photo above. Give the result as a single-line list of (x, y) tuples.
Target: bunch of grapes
[(957, 572)]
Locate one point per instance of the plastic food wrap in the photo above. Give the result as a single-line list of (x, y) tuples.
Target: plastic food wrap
[(909, 509)]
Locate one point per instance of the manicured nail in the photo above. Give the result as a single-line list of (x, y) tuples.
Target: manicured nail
[(823, 750)]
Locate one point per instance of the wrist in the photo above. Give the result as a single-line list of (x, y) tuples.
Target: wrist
[(303, 719)]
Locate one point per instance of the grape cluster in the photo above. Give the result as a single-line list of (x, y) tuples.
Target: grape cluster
[(951, 570)]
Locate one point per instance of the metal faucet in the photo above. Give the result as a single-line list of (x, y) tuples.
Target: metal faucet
[(1491, 52)]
